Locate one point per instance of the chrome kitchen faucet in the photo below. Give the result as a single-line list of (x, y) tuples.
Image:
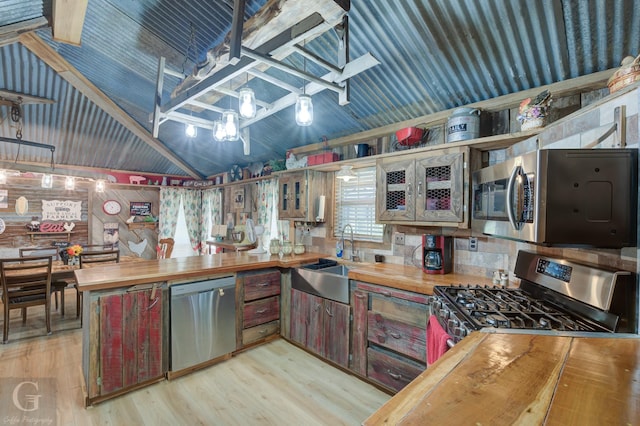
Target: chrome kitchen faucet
[(353, 257)]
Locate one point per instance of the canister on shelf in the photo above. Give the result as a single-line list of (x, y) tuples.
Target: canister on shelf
[(463, 124)]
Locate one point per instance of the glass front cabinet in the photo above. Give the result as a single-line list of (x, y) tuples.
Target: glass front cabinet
[(299, 194), (429, 188)]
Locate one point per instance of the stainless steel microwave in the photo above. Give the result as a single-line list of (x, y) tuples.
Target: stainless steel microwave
[(563, 197)]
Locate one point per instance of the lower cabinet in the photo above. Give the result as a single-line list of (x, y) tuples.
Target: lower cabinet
[(389, 334), (128, 328), (258, 298), (321, 325)]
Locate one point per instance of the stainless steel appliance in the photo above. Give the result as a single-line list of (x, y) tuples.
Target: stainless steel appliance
[(555, 295), (568, 197), (437, 254), (203, 321)]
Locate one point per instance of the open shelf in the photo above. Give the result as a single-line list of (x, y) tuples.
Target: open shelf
[(67, 233)]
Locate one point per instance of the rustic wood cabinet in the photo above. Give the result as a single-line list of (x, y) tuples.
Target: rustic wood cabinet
[(299, 194), (128, 327), (389, 334), (321, 325), (431, 188), (258, 310)]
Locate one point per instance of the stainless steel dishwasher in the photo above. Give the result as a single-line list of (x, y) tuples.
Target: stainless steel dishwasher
[(203, 321)]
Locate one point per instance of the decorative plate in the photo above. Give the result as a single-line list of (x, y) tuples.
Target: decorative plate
[(235, 173), (111, 207)]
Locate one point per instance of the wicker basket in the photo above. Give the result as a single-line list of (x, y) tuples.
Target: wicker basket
[(627, 74), (533, 123)]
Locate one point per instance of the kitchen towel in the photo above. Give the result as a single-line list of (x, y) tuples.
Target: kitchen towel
[(436, 340)]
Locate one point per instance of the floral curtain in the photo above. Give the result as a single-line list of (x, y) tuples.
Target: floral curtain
[(192, 204), (268, 209), (211, 212), (169, 209)]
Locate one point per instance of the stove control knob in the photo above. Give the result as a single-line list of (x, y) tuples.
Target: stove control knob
[(452, 323)]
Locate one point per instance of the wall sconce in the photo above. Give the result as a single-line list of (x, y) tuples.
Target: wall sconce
[(231, 125), (3, 177), (47, 181), (70, 183), (304, 110), (191, 131), (346, 173), (100, 185), (247, 103)]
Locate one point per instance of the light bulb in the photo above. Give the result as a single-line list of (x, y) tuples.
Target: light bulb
[(70, 183), (304, 110), (219, 133), (247, 103), (47, 181), (3, 177), (191, 131), (100, 185), (231, 124)]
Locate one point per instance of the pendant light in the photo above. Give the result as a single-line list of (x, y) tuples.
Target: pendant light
[(231, 124), (47, 181), (3, 177), (100, 184), (247, 103), (346, 173), (219, 133), (304, 105), (191, 131), (70, 183)]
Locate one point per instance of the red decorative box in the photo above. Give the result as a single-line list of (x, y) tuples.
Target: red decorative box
[(327, 157)]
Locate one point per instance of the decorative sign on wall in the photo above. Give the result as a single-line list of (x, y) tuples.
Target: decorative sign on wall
[(111, 233), (139, 208), (61, 210)]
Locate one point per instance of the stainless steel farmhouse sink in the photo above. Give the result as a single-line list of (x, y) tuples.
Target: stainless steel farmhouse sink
[(325, 279)]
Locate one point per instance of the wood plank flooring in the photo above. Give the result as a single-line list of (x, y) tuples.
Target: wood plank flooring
[(273, 384)]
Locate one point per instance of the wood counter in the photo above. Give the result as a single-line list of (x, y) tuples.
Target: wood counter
[(407, 277), (496, 379), (124, 274)]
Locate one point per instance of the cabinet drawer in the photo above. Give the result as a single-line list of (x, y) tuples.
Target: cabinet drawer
[(391, 370), (396, 335), (264, 284), (261, 331), (261, 311)]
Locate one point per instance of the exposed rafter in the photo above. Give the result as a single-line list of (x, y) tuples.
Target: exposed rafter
[(68, 20)]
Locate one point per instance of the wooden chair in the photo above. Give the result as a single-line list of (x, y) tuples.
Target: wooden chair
[(166, 248), (89, 257), (57, 286), (26, 281)]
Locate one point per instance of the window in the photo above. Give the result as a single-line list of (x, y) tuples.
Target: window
[(355, 203)]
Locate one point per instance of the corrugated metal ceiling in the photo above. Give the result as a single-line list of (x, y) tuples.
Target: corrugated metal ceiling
[(434, 55)]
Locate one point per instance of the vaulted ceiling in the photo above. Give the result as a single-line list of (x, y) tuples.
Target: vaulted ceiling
[(434, 55)]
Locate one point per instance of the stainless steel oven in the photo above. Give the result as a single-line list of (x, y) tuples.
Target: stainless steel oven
[(568, 197), (555, 296)]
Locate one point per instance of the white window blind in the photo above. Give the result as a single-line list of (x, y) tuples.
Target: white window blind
[(355, 204)]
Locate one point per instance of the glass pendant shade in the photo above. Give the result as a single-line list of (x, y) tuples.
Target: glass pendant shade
[(219, 133), (304, 110), (191, 131), (247, 103), (100, 185), (231, 124), (70, 183), (47, 181)]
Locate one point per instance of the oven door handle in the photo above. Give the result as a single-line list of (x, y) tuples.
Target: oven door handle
[(512, 179)]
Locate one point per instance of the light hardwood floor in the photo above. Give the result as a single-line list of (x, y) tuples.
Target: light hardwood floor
[(273, 384)]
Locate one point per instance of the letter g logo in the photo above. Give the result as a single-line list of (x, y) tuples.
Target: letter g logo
[(30, 399)]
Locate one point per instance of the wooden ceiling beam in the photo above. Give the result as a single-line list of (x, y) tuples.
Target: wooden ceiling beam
[(68, 20), (9, 33), (53, 59)]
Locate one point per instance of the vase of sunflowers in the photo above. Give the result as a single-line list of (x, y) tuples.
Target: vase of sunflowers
[(532, 114), (70, 255)]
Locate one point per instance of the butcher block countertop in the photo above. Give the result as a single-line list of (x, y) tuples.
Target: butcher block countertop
[(406, 277), (533, 379), (128, 274)]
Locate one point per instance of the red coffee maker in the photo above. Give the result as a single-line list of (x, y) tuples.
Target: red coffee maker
[(437, 254)]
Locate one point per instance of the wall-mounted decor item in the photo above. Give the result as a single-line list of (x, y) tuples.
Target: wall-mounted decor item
[(238, 198), (4, 198), (61, 210), (111, 233), (22, 206), (111, 207), (139, 208)]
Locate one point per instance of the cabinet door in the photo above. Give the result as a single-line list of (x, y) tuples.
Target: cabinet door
[(130, 339), (440, 188), (299, 314), (359, 350), (336, 332), (293, 196), (395, 192)]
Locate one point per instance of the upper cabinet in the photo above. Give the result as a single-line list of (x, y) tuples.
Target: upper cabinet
[(431, 188), (299, 194)]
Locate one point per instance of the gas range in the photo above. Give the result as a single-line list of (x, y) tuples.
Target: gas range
[(554, 295)]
